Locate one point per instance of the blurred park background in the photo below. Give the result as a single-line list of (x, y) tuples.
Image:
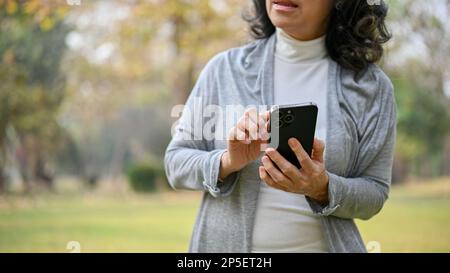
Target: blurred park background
[(86, 90)]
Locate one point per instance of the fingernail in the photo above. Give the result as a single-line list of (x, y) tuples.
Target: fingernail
[(292, 142)]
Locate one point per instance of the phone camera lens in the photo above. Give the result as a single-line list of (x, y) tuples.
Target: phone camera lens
[(277, 123), (289, 118)]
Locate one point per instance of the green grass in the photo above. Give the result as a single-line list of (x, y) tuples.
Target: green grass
[(415, 219), (130, 223)]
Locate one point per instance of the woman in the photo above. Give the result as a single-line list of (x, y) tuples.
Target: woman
[(305, 50)]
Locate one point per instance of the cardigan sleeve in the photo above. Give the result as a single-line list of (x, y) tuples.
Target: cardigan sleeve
[(363, 195), (191, 162)]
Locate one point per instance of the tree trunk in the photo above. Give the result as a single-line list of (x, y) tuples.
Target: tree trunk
[(43, 175), (2, 181), (183, 74), (2, 158), (445, 160), (400, 171)]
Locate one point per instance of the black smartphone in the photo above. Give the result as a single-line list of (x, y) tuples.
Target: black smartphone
[(293, 121)]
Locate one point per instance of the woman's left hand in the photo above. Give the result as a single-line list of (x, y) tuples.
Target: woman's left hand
[(311, 180)]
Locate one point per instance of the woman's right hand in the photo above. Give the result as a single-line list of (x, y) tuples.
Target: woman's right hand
[(244, 142)]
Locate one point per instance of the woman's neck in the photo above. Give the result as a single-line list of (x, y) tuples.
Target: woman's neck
[(293, 50)]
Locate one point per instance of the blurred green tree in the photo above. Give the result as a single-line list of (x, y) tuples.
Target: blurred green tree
[(419, 65), (31, 47), (132, 66)]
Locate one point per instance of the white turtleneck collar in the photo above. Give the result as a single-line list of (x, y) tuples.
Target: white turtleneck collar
[(292, 50)]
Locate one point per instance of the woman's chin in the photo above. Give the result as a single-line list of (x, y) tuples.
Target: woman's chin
[(280, 20), (284, 24)]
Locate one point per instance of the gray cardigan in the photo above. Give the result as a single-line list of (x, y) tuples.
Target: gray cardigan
[(361, 129)]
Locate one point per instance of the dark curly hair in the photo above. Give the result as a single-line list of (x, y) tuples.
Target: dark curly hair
[(355, 36)]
